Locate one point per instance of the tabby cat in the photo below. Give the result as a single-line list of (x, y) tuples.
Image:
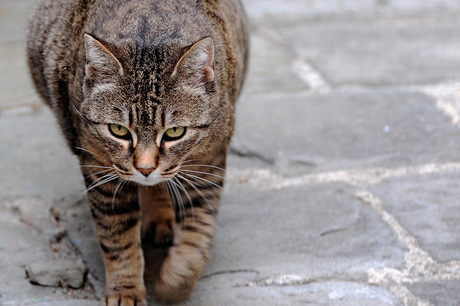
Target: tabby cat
[(144, 92)]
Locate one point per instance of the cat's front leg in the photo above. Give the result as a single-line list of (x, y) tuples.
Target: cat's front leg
[(118, 225)]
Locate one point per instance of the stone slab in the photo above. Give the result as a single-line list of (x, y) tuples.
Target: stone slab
[(428, 207), (16, 89), (215, 291), (266, 11), (438, 293), (379, 51), (13, 16), (317, 231), (25, 231), (80, 228), (345, 129), (270, 68), (35, 158)]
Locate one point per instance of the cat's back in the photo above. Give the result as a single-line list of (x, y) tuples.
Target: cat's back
[(56, 47)]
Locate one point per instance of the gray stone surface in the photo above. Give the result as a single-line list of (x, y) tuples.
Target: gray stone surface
[(347, 128), (12, 20), (268, 11), (271, 68), (317, 293), (15, 88), (438, 293), (380, 51), (26, 237), (321, 228), (342, 175), (428, 207)]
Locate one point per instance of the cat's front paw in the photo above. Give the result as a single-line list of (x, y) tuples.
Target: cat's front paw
[(115, 300)]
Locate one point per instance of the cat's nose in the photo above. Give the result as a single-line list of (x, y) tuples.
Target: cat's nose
[(145, 171)]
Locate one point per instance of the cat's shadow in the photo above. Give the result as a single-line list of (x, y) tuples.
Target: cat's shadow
[(154, 257)]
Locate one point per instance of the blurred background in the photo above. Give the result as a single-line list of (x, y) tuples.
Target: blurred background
[(343, 173)]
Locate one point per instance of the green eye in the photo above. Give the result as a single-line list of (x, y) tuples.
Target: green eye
[(174, 133), (119, 131)]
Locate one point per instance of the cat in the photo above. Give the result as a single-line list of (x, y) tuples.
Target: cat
[(144, 92)]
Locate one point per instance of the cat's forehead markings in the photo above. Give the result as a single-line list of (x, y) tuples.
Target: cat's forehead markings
[(143, 114), (132, 115), (163, 123)]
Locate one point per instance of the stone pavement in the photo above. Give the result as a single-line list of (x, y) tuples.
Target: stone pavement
[(343, 174)]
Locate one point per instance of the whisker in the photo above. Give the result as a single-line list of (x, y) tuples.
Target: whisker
[(174, 185), (78, 112), (173, 198), (102, 183), (202, 179), (94, 166), (98, 182), (198, 191), (181, 199), (215, 167), (181, 186), (173, 195), (83, 149), (201, 172), (110, 177), (100, 172), (189, 160), (120, 185), (101, 178)]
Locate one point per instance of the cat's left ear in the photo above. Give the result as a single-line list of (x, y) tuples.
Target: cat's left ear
[(196, 66), (101, 64)]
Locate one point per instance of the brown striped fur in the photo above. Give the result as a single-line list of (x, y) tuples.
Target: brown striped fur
[(148, 66)]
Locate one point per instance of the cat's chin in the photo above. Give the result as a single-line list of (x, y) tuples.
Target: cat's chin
[(151, 180)]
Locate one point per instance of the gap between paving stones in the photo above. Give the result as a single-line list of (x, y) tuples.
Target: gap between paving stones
[(301, 68), (310, 76), (267, 179), (420, 266), (447, 97)]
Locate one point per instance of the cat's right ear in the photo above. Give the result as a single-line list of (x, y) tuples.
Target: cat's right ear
[(101, 64)]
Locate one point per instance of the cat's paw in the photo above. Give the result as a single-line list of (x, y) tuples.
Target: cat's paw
[(161, 233), (115, 300)]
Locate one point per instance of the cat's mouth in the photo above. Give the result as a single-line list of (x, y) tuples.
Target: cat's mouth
[(153, 178)]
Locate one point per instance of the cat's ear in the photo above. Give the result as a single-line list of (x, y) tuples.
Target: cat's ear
[(196, 67), (101, 64)]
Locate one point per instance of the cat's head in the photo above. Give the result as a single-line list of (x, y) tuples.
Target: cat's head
[(145, 117)]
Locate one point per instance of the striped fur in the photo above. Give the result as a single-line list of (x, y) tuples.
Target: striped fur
[(147, 66)]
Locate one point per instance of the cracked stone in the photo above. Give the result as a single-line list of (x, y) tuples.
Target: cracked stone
[(57, 273)]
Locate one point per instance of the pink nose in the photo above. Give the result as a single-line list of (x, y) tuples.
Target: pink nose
[(146, 172)]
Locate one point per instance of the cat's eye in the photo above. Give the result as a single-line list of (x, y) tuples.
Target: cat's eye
[(174, 133), (119, 131)]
